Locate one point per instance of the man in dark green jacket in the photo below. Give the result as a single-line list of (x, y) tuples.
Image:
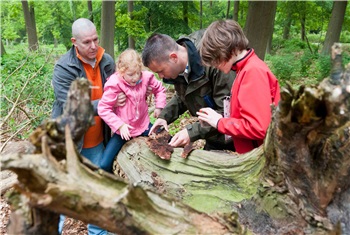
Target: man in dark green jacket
[(196, 86)]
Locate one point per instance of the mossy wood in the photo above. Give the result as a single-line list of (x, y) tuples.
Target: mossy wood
[(297, 183)]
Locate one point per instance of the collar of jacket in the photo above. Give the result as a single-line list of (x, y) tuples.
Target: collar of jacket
[(73, 60), (240, 63), (196, 70)]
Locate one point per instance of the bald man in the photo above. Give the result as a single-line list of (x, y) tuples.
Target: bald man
[(85, 59)]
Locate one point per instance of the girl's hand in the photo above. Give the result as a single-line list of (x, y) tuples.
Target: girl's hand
[(124, 131), (210, 116)]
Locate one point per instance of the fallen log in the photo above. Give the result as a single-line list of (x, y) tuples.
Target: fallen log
[(295, 184)]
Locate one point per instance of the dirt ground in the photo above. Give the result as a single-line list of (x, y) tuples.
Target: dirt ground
[(70, 227), (4, 216)]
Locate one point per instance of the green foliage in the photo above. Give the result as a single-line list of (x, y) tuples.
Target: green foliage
[(130, 26), (297, 65), (176, 125), (293, 45), (282, 67), (324, 66), (345, 36), (166, 17), (306, 61), (12, 21), (324, 63), (26, 93)]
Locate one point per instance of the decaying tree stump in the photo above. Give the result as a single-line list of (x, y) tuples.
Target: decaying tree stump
[(295, 184)]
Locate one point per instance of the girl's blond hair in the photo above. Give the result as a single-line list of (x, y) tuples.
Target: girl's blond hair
[(129, 59)]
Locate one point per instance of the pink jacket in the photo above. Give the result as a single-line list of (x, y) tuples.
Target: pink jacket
[(135, 110), (253, 91)]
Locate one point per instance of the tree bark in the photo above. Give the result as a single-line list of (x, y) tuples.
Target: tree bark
[(91, 16), (259, 31), (102, 199), (185, 13), (334, 26), (200, 14), (107, 26), (228, 9), (286, 27), (269, 42), (303, 23), (3, 51), (235, 10), (131, 40), (296, 183), (29, 18)]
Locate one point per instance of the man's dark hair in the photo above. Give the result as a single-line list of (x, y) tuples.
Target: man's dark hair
[(157, 48)]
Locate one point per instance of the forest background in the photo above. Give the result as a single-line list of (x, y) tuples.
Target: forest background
[(34, 34)]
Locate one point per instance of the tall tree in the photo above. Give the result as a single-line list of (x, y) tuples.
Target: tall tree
[(269, 42), (302, 18), (91, 16), (259, 31), (200, 14), (335, 25), (286, 27), (29, 17), (235, 9), (2, 52), (107, 26), (288, 8), (228, 8), (185, 12), (72, 5), (131, 40)]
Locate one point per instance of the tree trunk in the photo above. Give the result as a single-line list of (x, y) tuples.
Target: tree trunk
[(296, 183), (302, 12), (228, 9), (131, 40), (91, 16), (286, 27), (3, 51), (73, 9), (185, 13), (303, 25), (259, 31), (107, 26), (269, 42), (334, 26), (200, 14), (29, 17), (235, 10)]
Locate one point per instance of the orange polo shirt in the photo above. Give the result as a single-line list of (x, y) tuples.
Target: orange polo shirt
[(94, 134)]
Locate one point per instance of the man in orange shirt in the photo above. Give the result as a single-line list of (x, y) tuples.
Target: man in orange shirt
[(85, 59)]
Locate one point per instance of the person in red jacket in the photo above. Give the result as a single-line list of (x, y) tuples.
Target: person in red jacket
[(254, 90)]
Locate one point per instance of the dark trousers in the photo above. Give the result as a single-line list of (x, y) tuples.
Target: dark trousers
[(112, 149)]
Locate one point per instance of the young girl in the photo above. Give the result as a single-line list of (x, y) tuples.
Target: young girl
[(130, 120)]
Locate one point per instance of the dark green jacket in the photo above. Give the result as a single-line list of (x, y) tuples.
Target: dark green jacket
[(204, 83)]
